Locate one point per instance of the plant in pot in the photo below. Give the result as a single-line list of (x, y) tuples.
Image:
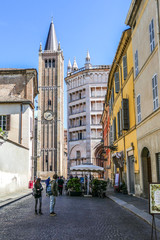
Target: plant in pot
[(124, 188), (98, 187), (74, 187)]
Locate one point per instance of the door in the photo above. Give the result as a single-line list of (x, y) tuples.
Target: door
[(131, 174)]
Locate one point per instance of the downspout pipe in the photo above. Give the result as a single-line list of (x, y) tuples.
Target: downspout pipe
[(158, 29)]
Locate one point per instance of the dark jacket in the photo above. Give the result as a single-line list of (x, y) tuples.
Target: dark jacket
[(38, 189), (54, 187), (60, 182)]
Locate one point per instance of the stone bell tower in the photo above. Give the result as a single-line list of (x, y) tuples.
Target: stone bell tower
[(50, 107)]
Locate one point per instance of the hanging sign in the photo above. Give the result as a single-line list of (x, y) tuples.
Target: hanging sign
[(154, 198)]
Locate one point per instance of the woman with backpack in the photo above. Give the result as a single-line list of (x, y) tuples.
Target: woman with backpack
[(38, 195)]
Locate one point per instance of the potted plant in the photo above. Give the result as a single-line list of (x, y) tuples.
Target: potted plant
[(124, 188), (98, 188), (74, 187)]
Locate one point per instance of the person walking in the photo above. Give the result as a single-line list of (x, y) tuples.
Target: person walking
[(54, 190), (47, 183), (38, 195), (60, 185)]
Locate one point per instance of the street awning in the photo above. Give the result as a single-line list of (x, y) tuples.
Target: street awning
[(87, 168)]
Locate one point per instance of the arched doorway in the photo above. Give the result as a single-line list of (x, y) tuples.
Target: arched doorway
[(146, 170)]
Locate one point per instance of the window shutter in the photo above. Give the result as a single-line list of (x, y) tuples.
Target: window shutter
[(136, 63), (155, 92), (125, 67), (115, 129), (116, 76), (125, 114), (110, 135), (118, 123), (8, 123)]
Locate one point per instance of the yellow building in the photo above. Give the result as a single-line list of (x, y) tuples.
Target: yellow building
[(121, 100)]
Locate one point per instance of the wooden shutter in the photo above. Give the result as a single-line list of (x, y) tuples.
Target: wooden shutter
[(115, 129), (116, 77), (125, 67), (110, 136), (118, 123), (8, 123), (125, 113)]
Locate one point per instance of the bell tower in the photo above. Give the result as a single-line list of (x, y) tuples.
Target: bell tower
[(50, 107)]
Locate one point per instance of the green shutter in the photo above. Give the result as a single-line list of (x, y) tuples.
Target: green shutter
[(125, 113)]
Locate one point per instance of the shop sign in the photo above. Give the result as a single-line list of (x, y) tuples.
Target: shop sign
[(154, 198)]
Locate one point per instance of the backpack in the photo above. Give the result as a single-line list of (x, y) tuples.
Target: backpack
[(49, 192)]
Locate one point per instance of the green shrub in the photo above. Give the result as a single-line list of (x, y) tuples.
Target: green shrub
[(74, 184), (98, 185)]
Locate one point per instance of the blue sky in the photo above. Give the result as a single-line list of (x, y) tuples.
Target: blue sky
[(80, 26)]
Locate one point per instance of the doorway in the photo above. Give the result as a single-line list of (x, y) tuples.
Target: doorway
[(131, 174), (146, 171)]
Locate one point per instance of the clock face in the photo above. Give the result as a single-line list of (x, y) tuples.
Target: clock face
[(48, 115)]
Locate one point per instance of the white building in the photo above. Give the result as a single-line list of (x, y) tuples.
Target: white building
[(18, 88), (86, 89)]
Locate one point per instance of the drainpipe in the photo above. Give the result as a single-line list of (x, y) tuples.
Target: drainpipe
[(158, 29), (20, 130)]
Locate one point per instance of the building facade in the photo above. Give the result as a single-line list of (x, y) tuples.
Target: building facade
[(18, 88), (86, 88), (50, 107), (143, 18), (121, 101)]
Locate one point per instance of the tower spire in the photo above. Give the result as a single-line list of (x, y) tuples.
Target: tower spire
[(75, 66), (51, 43)]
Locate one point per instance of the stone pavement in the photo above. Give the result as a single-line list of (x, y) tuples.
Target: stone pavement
[(138, 206), (12, 197)]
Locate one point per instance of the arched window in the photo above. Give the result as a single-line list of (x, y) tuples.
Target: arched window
[(49, 63), (53, 63), (46, 63), (49, 102)]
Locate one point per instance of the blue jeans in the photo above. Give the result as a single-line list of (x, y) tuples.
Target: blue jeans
[(52, 203)]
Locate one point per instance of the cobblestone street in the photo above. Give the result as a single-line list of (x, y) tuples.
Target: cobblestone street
[(77, 218)]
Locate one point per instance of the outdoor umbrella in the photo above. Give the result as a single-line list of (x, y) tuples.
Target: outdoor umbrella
[(87, 168)]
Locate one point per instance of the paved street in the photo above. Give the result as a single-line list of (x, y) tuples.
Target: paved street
[(77, 218)]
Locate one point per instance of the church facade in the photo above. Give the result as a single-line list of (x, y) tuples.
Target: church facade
[(50, 108)]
